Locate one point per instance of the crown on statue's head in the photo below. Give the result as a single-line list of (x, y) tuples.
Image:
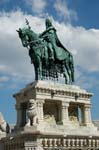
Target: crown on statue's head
[(48, 22)]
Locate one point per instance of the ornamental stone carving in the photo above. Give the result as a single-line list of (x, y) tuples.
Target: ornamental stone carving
[(32, 112)]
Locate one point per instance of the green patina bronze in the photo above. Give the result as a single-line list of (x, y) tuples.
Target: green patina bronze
[(50, 58)]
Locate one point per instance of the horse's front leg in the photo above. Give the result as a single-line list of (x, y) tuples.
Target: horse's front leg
[(65, 76), (36, 71)]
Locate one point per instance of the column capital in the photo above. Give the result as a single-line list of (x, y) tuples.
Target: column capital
[(40, 102), (65, 104), (87, 106)]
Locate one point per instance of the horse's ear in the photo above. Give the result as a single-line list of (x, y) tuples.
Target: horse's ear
[(17, 31), (20, 30)]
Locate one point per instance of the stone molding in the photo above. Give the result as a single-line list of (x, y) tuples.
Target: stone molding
[(56, 89)]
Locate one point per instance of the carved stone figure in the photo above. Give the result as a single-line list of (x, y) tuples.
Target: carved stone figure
[(73, 113), (32, 113), (4, 127), (50, 119), (73, 119), (48, 55)]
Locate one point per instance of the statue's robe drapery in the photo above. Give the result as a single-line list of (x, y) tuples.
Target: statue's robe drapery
[(60, 52)]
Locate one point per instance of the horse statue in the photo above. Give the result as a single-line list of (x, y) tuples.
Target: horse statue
[(41, 49)]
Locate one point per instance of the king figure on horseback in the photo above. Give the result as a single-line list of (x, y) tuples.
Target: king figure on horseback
[(49, 56)]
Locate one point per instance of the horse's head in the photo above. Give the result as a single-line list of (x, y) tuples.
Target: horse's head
[(24, 36)]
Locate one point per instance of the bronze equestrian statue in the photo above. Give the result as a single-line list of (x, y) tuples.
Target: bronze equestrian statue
[(50, 58)]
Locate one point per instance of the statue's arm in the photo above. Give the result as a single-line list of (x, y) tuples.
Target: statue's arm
[(44, 34), (41, 34)]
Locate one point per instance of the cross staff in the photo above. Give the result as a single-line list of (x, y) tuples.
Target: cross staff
[(27, 22)]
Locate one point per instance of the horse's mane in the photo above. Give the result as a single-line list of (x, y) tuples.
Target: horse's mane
[(28, 30)]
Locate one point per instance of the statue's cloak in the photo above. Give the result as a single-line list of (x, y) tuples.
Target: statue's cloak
[(60, 51)]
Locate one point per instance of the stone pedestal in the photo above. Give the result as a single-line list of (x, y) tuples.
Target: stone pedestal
[(57, 102), (56, 121)]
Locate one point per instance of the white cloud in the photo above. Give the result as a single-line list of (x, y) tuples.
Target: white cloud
[(37, 6), (3, 68), (4, 79), (63, 11), (86, 79), (14, 59), (83, 43)]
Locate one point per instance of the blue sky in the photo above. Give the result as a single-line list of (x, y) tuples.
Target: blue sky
[(77, 24)]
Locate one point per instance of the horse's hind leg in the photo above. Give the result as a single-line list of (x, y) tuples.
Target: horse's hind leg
[(65, 74), (36, 71), (68, 72), (40, 69)]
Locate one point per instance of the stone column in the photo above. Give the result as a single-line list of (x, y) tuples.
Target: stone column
[(86, 115), (23, 117), (64, 110), (19, 115), (40, 112), (1, 146), (82, 114)]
